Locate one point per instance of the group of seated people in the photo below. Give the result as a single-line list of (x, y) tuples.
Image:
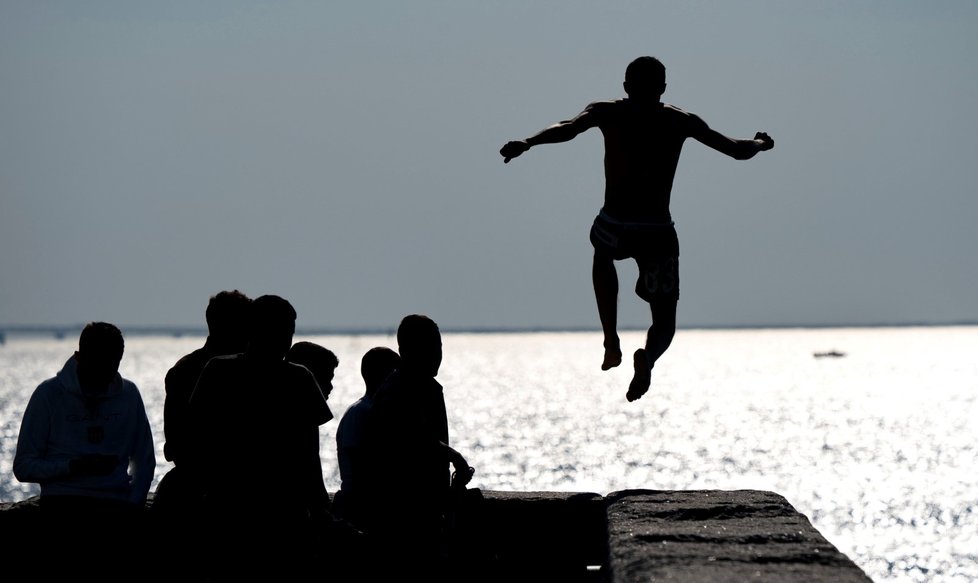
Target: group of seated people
[(246, 494)]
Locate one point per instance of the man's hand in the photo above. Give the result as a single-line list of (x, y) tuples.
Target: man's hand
[(513, 149), (462, 475), (463, 472), (93, 465), (764, 141)]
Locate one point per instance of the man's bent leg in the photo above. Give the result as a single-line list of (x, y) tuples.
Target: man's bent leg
[(663, 328), (658, 339), (605, 279)]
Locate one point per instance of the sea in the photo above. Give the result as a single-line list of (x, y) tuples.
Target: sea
[(872, 433)]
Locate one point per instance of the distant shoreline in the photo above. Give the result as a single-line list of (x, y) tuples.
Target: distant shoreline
[(72, 330)]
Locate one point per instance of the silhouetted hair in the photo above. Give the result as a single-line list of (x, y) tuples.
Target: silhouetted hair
[(416, 330), (419, 343), (271, 326), (227, 313), (318, 359), (270, 310), (101, 338), (645, 76), (376, 365)]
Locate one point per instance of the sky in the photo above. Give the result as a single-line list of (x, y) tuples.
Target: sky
[(344, 155)]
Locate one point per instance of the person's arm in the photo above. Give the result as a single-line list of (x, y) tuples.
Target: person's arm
[(560, 132), (317, 496), (195, 438), (30, 462), (174, 414), (737, 149), (463, 471), (143, 456)]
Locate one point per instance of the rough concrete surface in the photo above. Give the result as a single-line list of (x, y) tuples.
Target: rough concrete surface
[(717, 536)]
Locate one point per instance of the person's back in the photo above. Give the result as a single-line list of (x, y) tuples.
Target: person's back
[(410, 416), (409, 444), (226, 316), (643, 141), (352, 500), (177, 500), (251, 416)]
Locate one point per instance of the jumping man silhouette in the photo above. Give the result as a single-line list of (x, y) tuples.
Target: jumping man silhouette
[(643, 138)]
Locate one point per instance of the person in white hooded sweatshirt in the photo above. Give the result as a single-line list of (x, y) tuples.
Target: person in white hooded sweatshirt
[(85, 436)]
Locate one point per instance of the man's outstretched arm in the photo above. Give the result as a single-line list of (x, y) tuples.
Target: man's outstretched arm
[(555, 134), (738, 149)]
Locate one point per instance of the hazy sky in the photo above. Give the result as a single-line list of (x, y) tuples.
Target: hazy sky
[(345, 156)]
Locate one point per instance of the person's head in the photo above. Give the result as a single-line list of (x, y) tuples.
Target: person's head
[(645, 78), (99, 353), (320, 361), (376, 365), (271, 327), (227, 317), (419, 342)]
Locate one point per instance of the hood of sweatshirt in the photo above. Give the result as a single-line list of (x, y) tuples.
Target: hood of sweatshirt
[(68, 377)]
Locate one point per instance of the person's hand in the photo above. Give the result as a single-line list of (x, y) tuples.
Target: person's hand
[(93, 465), (462, 475), (765, 141), (513, 149)]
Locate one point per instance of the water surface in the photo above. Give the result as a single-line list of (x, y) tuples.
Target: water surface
[(878, 447)]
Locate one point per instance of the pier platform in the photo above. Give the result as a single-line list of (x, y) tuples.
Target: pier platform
[(631, 536)]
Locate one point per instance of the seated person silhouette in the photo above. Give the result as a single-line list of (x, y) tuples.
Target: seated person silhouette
[(409, 445), (251, 420), (376, 365), (86, 439), (226, 315), (643, 138), (322, 363)]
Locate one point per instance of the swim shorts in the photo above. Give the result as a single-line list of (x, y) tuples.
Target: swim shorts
[(654, 246)]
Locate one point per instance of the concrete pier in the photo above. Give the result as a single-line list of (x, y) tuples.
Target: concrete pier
[(628, 536), (716, 536)]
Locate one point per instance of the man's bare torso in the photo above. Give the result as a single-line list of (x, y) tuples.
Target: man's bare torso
[(642, 142)]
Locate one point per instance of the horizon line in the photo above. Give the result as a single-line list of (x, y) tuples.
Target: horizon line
[(176, 330)]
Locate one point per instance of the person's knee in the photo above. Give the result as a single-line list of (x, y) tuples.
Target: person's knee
[(603, 260)]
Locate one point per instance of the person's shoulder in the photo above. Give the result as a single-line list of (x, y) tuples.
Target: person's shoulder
[(363, 402), (606, 106), (129, 389), (298, 372), (188, 364), (680, 113), (670, 109), (220, 366), (225, 360), (49, 388), (200, 355), (357, 409)]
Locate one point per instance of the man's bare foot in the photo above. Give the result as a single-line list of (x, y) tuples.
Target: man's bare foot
[(642, 378), (612, 358)]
